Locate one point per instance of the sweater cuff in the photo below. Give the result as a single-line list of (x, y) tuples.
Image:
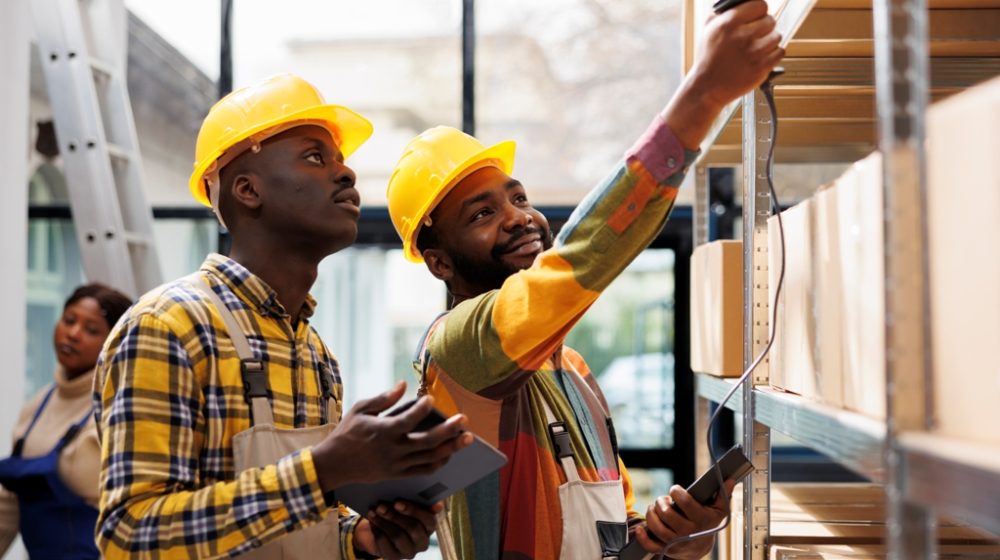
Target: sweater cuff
[(661, 153)]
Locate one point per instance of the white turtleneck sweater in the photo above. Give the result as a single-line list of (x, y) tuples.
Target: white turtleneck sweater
[(80, 462)]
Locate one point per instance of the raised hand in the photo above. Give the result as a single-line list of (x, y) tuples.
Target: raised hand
[(739, 49)]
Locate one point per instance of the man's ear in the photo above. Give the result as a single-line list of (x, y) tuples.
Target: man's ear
[(439, 263), (245, 192)]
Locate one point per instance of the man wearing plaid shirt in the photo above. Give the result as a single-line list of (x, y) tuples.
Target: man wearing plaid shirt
[(169, 390)]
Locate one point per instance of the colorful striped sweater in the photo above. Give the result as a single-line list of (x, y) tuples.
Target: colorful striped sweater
[(499, 356)]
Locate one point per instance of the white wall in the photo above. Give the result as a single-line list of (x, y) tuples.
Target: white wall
[(14, 26)]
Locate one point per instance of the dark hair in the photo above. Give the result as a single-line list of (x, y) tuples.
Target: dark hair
[(113, 303), (427, 239)]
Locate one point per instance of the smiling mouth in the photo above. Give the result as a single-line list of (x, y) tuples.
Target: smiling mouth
[(529, 245), (66, 349)]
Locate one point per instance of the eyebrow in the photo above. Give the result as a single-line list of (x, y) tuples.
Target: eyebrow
[(476, 199), (314, 142), (509, 185)]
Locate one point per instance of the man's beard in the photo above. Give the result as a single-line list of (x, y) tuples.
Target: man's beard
[(490, 274)]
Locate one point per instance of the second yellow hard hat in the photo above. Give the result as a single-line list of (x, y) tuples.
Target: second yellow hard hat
[(431, 165)]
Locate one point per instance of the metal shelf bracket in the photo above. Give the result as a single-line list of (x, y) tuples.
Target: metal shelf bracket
[(756, 208)]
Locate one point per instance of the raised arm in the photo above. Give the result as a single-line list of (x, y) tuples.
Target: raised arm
[(519, 326)]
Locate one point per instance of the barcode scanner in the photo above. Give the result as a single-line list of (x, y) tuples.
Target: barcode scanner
[(723, 5)]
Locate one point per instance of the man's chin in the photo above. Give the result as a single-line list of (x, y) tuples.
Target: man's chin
[(342, 237), (517, 263)]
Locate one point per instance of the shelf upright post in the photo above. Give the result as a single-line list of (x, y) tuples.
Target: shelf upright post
[(701, 205), (902, 81), (756, 208), (702, 410)]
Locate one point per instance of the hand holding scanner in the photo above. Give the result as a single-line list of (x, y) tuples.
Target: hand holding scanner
[(734, 465)]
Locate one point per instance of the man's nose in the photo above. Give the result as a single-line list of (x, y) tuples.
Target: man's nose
[(517, 218), (344, 176)]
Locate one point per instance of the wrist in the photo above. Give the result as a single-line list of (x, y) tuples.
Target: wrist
[(702, 89), (329, 471), (691, 111)]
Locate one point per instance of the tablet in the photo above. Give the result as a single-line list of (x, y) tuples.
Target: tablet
[(465, 467)]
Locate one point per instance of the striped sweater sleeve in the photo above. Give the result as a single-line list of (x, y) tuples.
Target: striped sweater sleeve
[(490, 344)]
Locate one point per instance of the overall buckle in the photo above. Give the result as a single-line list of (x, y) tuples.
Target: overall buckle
[(560, 439), (254, 379)]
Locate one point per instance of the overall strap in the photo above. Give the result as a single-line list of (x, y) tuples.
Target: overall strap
[(421, 358), (562, 444), (326, 382), (252, 369), (74, 430), (608, 423), (19, 444)]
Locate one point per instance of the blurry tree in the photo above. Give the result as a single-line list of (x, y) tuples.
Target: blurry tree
[(574, 82)]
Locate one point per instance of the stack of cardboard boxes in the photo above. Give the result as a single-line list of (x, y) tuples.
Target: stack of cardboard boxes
[(830, 331), (830, 344), (831, 324), (830, 328), (841, 521)]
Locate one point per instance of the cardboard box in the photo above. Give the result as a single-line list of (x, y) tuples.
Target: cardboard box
[(828, 278), (723, 542), (963, 206), (838, 514), (717, 308), (830, 329), (792, 365), (858, 199), (873, 552)]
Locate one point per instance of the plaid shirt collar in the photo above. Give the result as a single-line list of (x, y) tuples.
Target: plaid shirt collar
[(253, 291)]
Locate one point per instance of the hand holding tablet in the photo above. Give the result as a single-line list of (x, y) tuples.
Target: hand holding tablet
[(466, 466)]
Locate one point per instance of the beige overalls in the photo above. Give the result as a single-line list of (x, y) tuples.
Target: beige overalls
[(593, 513), (264, 444)]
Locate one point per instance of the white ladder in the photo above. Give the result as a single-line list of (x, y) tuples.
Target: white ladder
[(83, 50)]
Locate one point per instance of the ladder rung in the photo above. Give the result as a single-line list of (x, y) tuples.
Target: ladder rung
[(118, 152), (122, 219), (101, 67), (133, 238)]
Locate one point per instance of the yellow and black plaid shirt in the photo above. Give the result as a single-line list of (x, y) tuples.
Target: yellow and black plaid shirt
[(169, 399)]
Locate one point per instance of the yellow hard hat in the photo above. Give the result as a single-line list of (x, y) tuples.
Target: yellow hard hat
[(431, 165), (262, 110)]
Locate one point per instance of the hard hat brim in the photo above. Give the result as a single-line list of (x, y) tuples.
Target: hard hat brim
[(499, 155), (350, 130)]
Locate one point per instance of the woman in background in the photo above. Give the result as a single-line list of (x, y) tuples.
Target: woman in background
[(50, 482)]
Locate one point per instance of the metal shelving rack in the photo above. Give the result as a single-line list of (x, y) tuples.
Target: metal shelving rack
[(845, 94)]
